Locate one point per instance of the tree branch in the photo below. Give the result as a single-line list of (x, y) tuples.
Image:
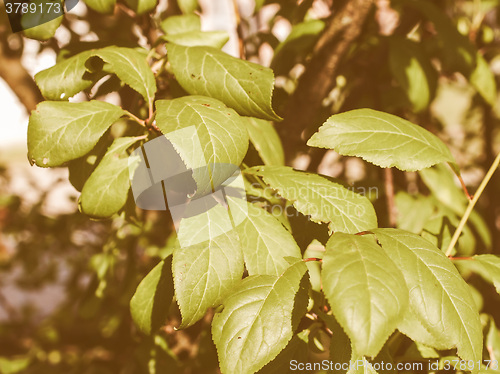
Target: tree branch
[(389, 193), (320, 75), (15, 75)]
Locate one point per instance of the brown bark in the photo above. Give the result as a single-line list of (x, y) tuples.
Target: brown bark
[(15, 75), (320, 75)]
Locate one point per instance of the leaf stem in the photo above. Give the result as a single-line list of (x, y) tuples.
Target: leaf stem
[(469, 196), (262, 184), (471, 205), (312, 259), (364, 233), (151, 109), (135, 118)]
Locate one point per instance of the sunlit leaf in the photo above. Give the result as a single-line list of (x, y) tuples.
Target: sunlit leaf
[(141, 6), (264, 241), (204, 273), (244, 86), (101, 6), (42, 25), (66, 78), (216, 39), (151, 301), (258, 319), (188, 6), (266, 141), (131, 67), (324, 201), (442, 313), (213, 135), (491, 264), (181, 24), (365, 289), (106, 190), (63, 131), (382, 139)]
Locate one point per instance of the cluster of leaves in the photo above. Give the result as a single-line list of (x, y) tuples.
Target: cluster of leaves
[(369, 293)]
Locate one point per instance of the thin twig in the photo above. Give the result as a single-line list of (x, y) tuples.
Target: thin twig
[(389, 194), (135, 118), (127, 11), (471, 205), (469, 196), (364, 233), (461, 258)]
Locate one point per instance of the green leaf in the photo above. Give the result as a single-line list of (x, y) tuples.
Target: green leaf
[(440, 228), (365, 289), (266, 141), (442, 313), (264, 240), (361, 366), (196, 227), (314, 250), (413, 211), (81, 168), (244, 86), (106, 190), (185, 30), (340, 345), (42, 25), (297, 349), (483, 80), (14, 365), (255, 189), (457, 52), (66, 78), (298, 44), (216, 39), (141, 6), (491, 265), (324, 201), (62, 131), (492, 341), (382, 139), (204, 132), (417, 351), (101, 6), (204, 273), (258, 319), (181, 24), (188, 6), (301, 37), (151, 301), (412, 70), (441, 182), (131, 67)]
